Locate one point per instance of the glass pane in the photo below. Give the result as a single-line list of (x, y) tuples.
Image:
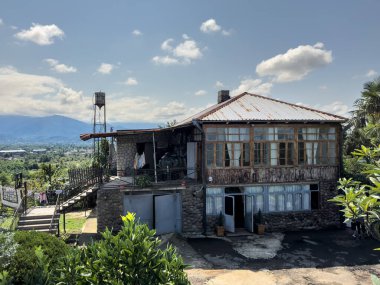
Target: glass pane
[(253, 190), (289, 202), (246, 155), (259, 134), (227, 154), (290, 154), (273, 154), (218, 205), (214, 191), (259, 203), (266, 153), (237, 154), (323, 153), (219, 155), (280, 202), (301, 153), (282, 152), (306, 201), (257, 153), (272, 202), (297, 201), (210, 154), (275, 188), (209, 205)]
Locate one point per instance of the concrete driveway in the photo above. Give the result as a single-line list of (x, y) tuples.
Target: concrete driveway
[(309, 257)]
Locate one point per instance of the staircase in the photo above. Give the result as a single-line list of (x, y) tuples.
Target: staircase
[(79, 197), (40, 219)]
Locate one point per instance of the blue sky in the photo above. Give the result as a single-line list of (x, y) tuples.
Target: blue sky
[(164, 60)]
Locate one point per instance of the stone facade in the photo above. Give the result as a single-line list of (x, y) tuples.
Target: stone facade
[(126, 152), (109, 209), (192, 209)]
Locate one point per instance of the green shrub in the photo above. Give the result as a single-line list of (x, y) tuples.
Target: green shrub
[(8, 248), (132, 256), (25, 266)]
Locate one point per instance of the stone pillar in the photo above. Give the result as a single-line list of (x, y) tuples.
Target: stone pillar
[(125, 155), (192, 210), (109, 209)]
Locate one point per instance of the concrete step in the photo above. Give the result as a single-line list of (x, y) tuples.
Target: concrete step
[(37, 217), (52, 231), (37, 221), (36, 227)]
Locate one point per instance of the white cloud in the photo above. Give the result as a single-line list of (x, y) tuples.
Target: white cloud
[(105, 68), (296, 63), (200, 93), (41, 35), (165, 60), (371, 73), (1, 22), (60, 67), (188, 50), (42, 95), (255, 86), (219, 84), (210, 26), (166, 45), (137, 33), (183, 53), (131, 81), (226, 33)]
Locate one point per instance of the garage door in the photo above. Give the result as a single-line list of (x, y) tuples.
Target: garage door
[(167, 213), (142, 205)]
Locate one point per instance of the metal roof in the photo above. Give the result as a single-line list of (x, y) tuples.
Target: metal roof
[(251, 107)]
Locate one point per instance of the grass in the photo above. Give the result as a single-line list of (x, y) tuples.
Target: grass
[(74, 222)]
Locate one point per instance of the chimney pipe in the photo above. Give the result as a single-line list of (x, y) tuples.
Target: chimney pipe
[(223, 95)]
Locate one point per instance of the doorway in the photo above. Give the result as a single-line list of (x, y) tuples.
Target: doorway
[(238, 205)]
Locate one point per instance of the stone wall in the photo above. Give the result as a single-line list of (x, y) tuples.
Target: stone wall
[(109, 209), (192, 209), (126, 152)]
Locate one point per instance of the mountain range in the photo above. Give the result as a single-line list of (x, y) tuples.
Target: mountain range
[(16, 129)]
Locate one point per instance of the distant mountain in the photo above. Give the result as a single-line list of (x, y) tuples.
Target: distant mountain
[(51, 129)]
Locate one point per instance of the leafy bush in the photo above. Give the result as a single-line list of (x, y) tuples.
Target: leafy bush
[(8, 248), (132, 256), (25, 266)]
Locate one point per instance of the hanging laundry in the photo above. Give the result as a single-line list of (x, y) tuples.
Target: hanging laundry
[(139, 161)]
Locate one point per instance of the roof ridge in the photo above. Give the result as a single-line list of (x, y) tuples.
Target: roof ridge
[(295, 105)]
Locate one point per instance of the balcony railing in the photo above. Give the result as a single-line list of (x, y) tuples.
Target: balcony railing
[(175, 175)]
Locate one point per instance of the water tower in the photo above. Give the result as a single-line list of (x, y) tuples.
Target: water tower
[(99, 117)]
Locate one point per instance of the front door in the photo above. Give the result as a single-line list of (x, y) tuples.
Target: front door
[(229, 213), (248, 215)]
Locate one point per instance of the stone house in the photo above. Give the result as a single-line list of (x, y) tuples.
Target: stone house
[(243, 154)]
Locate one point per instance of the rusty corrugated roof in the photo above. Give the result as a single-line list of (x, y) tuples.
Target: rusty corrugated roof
[(252, 107)]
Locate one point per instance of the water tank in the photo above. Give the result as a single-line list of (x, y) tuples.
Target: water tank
[(100, 99)]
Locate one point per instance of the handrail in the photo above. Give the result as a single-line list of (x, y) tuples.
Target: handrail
[(55, 211), (16, 213)]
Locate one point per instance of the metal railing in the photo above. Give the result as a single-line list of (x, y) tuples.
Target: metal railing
[(17, 214), (56, 210), (173, 175)]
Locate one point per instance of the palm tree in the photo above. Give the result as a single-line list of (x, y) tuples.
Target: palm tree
[(364, 126)]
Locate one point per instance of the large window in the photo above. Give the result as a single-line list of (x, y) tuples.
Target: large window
[(316, 146), (227, 147), (231, 147), (273, 146), (214, 201), (282, 198)]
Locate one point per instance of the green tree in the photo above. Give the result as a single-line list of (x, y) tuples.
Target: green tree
[(364, 126), (132, 256), (361, 200)]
